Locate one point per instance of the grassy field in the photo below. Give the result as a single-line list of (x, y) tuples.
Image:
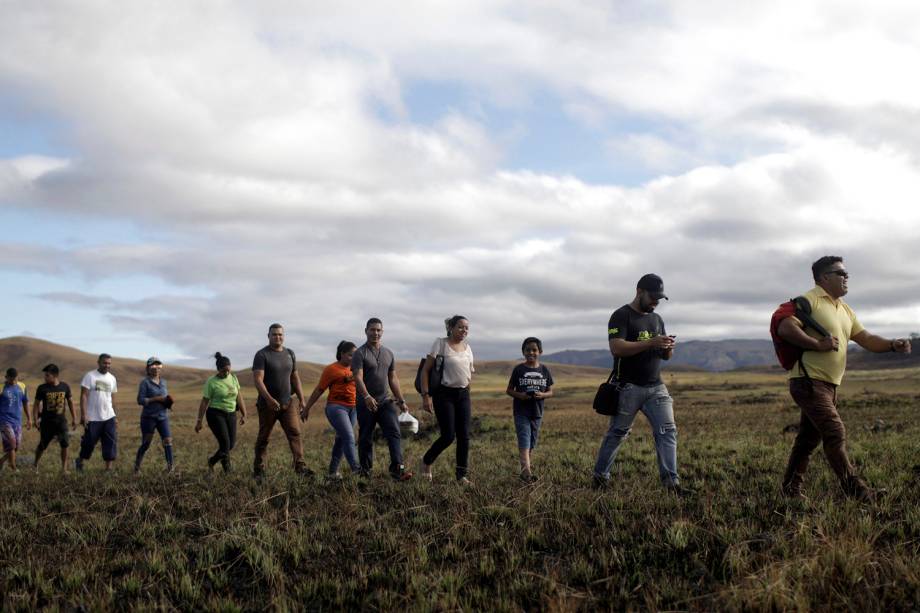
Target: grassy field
[(201, 540)]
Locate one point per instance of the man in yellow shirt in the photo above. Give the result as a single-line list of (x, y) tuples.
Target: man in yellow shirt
[(813, 381)]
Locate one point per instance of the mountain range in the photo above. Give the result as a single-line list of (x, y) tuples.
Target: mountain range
[(732, 354)]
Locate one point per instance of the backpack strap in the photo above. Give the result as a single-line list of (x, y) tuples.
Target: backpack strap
[(803, 314)]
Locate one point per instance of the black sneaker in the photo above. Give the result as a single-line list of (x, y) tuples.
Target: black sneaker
[(600, 483), (676, 489), (303, 471)]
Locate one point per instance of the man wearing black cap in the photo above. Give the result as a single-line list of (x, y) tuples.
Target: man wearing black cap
[(638, 342)]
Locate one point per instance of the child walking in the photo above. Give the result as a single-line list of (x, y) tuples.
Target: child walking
[(530, 384)]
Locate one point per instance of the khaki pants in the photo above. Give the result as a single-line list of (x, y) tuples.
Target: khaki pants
[(820, 423), (289, 418)]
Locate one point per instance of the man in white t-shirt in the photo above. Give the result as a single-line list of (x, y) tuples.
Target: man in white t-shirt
[(97, 413)]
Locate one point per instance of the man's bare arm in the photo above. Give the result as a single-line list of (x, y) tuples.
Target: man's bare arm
[(878, 344)]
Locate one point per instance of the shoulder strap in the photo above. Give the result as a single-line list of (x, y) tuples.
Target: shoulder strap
[(803, 312)]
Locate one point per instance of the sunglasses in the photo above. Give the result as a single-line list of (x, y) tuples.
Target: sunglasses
[(839, 273)]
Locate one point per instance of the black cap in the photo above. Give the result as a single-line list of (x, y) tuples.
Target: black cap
[(653, 285), (52, 368)]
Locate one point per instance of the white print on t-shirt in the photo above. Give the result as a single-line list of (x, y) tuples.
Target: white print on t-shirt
[(532, 381)]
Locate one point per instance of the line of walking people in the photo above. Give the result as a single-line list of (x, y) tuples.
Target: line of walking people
[(364, 389)]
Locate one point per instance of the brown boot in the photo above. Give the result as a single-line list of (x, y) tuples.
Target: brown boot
[(854, 487), (793, 490)]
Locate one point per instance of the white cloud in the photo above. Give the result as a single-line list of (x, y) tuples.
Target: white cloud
[(252, 147)]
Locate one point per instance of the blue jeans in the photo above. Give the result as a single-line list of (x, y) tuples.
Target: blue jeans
[(387, 415), (528, 429), (343, 420), (655, 402), (156, 423)]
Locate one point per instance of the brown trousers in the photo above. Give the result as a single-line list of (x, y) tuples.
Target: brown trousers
[(289, 418), (820, 423)]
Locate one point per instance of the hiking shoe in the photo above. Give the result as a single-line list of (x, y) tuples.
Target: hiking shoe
[(78, 464), (334, 478), (792, 491), (528, 477), (854, 487), (303, 471), (676, 489), (600, 483)]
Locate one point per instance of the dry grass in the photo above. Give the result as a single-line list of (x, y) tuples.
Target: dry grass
[(200, 540)]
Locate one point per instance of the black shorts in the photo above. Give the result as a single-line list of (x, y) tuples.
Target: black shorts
[(54, 427)]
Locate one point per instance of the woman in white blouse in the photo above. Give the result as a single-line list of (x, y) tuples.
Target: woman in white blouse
[(450, 402)]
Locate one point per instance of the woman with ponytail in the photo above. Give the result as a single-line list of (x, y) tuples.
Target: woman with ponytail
[(450, 402), (340, 408), (222, 399)]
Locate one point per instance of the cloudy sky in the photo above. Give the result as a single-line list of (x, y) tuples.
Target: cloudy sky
[(174, 177)]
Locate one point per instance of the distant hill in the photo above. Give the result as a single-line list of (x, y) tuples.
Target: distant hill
[(690, 355), (30, 355), (733, 354)]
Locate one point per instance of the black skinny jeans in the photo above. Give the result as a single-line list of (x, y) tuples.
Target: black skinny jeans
[(452, 408), (223, 425)]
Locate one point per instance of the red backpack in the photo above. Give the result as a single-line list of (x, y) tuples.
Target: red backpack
[(788, 354)]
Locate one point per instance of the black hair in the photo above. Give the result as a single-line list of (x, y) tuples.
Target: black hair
[(822, 264), (372, 321), (52, 368), (344, 347), (450, 322), (273, 326), (221, 360), (12, 372), (532, 339), (103, 356)]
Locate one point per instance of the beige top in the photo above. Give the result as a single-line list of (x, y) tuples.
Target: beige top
[(458, 365)]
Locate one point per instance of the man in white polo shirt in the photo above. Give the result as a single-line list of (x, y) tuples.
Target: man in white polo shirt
[(97, 413)]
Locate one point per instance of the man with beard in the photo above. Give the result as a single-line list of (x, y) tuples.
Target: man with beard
[(638, 342)]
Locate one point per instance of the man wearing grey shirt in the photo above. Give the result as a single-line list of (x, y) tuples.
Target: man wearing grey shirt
[(374, 368), (274, 372)]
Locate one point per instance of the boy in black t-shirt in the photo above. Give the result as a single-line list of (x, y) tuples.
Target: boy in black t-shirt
[(50, 400), (530, 384)]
